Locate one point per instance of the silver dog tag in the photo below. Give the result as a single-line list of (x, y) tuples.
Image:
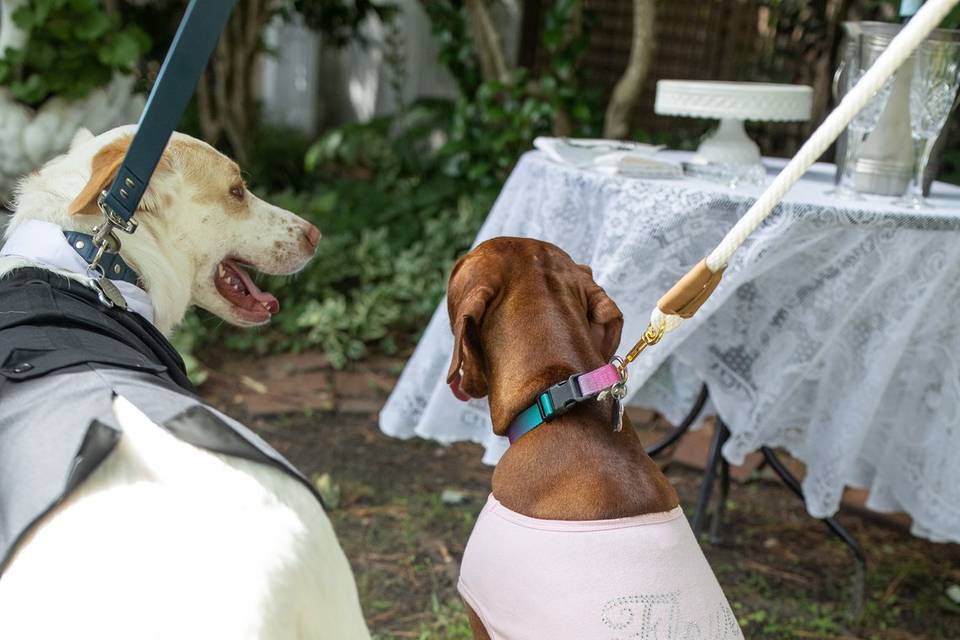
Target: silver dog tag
[(617, 392), (616, 416), (109, 293)]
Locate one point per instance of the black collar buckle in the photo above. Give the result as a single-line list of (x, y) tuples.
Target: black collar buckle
[(562, 397)]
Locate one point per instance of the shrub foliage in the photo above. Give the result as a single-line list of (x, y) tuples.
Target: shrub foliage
[(73, 47)]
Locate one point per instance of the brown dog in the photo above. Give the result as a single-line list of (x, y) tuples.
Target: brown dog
[(525, 316)]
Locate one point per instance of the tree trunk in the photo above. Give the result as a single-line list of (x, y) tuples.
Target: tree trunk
[(226, 103), (493, 62), (627, 92), (562, 123), (530, 33)]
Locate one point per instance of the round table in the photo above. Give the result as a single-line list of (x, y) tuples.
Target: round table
[(835, 332)]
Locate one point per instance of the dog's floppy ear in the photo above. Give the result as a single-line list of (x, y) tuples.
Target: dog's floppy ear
[(104, 170), (466, 375), (606, 320)]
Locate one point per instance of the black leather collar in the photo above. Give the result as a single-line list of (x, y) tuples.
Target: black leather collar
[(114, 267)]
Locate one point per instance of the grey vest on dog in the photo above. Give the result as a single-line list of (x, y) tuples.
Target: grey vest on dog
[(63, 358)]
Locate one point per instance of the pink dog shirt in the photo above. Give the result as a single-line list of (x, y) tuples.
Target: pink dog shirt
[(639, 578)]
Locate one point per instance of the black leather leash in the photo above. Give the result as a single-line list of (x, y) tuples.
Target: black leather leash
[(199, 31)]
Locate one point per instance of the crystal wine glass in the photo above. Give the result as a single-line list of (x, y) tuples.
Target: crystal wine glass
[(858, 62), (933, 89)]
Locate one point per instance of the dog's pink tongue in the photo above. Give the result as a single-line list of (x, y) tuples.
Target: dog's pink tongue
[(265, 298), (457, 391)]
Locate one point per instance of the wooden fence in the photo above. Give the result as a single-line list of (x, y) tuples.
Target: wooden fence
[(792, 41)]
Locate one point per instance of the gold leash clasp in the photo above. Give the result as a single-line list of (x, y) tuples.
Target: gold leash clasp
[(651, 336)]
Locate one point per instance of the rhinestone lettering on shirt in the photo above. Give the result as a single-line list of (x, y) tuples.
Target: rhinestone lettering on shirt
[(658, 617)]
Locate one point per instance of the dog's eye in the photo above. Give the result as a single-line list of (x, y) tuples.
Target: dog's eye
[(238, 191)]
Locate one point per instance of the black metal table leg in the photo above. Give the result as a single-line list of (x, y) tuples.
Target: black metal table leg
[(678, 431), (716, 522), (714, 460), (838, 529)]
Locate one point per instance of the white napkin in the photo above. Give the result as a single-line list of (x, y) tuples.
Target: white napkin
[(633, 159), (637, 165)]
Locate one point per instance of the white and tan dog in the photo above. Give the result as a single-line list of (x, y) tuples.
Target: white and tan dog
[(197, 544)]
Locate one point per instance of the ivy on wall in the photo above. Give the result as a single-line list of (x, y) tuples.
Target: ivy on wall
[(73, 47)]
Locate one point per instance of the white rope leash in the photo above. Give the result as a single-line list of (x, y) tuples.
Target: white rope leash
[(900, 48)]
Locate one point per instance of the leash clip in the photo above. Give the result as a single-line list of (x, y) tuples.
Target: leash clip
[(104, 238), (650, 337), (113, 218)]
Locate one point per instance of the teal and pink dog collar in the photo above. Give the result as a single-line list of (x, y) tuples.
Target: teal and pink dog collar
[(562, 397)]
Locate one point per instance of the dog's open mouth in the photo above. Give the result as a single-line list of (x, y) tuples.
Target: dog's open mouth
[(236, 285)]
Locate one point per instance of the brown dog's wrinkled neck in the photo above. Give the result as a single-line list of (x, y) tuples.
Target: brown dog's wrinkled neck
[(524, 317)]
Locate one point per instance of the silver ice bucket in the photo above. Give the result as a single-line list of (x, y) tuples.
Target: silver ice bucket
[(884, 162)]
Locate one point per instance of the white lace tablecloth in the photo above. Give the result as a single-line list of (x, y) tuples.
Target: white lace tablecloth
[(835, 332)]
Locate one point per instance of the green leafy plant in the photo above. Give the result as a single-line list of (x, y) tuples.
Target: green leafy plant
[(449, 622), (276, 158), (950, 166), (393, 223), (73, 47), (495, 121), (952, 21), (341, 21), (191, 332), (450, 30)]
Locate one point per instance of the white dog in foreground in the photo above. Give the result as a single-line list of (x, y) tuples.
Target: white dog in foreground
[(162, 539)]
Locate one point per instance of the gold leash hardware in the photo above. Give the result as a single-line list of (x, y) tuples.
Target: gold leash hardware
[(651, 336)]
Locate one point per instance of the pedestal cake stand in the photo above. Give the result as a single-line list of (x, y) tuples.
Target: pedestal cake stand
[(733, 103)]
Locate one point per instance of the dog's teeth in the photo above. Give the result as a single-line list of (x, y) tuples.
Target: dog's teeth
[(221, 271), (265, 306)]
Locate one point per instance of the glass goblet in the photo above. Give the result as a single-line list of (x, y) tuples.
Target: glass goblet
[(933, 89)]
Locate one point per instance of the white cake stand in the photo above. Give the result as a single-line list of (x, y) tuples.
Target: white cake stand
[(733, 103)]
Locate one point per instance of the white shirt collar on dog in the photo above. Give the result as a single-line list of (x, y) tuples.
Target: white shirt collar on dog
[(44, 244)]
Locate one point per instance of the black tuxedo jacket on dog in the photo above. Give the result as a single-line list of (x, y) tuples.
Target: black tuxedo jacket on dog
[(63, 358)]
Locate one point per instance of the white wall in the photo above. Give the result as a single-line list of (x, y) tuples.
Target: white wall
[(310, 86)]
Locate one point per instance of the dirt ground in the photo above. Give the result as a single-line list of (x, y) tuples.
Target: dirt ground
[(403, 511)]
